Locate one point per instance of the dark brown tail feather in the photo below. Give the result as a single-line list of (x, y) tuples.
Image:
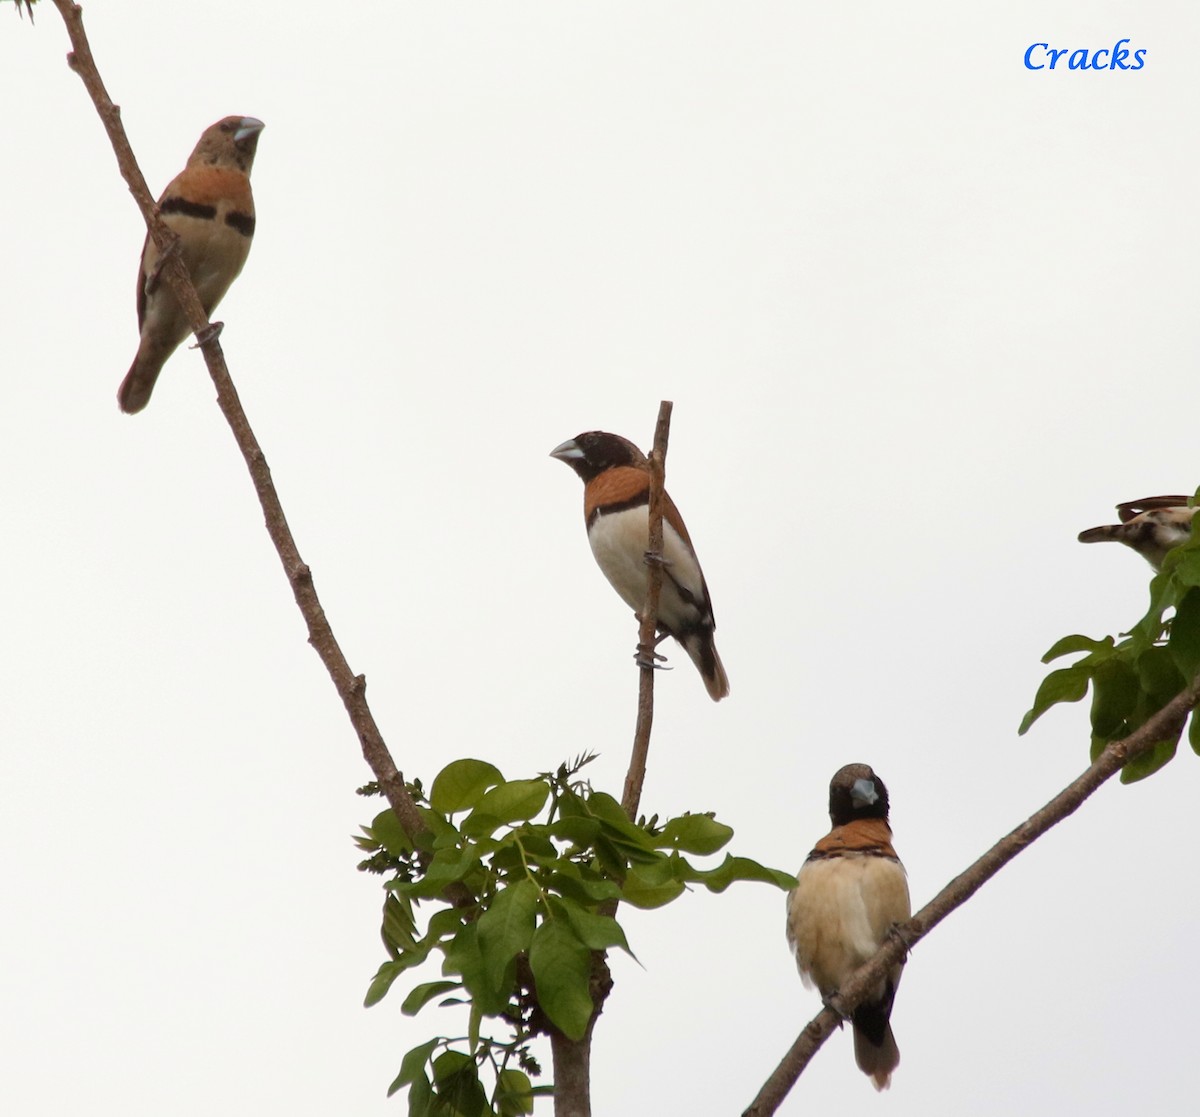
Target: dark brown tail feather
[(877, 1060), (135, 390), (702, 649)]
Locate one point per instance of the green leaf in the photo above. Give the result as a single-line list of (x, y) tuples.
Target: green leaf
[(423, 994), (382, 982), (651, 886), (479, 824), (513, 1094), (505, 930), (562, 968), (421, 1102), (1071, 644), (535, 841), (1115, 693), (450, 1063), (1149, 762), (443, 924), (1159, 676), (590, 889), (595, 931), (475, 1019), (515, 801), (1164, 591), (577, 830), (694, 833), (1186, 559), (603, 806), (1067, 684), (1184, 642), (1194, 728), (443, 830), (456, 1079), (398, 926), (448, 865), (461, 784), (742, 868), (1187, 571), (412, 1066), (386, 830), (464, 957)]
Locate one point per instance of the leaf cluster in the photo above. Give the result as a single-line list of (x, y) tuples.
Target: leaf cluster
[(525, 875), (1134, 677)]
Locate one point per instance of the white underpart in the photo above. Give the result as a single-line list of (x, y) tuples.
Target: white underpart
[(839, 914), (620, 540)]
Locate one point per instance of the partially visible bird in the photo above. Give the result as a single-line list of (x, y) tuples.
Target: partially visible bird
[(209, 205), (849, 893), (616, 509), (1152, 527)]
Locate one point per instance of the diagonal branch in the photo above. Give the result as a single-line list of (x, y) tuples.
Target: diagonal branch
[(1166, 724), (648, 631), (350, 687)]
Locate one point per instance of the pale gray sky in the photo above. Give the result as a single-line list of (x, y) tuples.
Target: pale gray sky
[(924, 314)]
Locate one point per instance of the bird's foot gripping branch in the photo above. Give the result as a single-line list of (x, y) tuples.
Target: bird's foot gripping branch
[(521, 877)]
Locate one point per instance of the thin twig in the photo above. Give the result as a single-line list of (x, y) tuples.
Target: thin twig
[(1166, 724), (648, 631), (349, 686)]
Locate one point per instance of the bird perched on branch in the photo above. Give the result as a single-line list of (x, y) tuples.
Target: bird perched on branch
[(1152, 527), (209, 205), (849, 894), (616, 509)]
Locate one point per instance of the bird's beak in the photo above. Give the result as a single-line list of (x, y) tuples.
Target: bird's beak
[(250, 126), (567, 452), (863, 792)]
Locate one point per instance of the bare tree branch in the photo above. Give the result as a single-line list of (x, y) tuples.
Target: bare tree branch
[(1166, 724), (350, 687), (648, 631)]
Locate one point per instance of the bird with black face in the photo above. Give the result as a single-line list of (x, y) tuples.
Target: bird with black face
[(1151, 526), (849, 894), (616, 510)]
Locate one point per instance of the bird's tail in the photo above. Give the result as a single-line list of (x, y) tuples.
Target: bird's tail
[(1117, 533), (702, 649), (876, 1059), (134, 392)]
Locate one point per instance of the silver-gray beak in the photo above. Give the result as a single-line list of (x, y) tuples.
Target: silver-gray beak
[(863, 792), (250, 126), (567, 451)]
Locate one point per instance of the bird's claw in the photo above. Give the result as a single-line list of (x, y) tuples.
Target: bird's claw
[(654, 660), (655, 558), (895, 931), (173, 249), (828, 1003), (211, 331)]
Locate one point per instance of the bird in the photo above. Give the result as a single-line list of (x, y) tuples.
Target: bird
[(210, 206), (1151, 526), (616, 510), (849, 893)]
